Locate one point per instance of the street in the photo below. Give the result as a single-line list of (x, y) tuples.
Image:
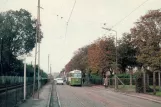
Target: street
[(71, 96), (110, 49)]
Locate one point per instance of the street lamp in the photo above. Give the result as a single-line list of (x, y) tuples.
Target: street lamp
[(116, 53)]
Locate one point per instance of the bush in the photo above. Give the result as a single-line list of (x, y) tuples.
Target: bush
[(139, 82), (96, 79), (123, 75)]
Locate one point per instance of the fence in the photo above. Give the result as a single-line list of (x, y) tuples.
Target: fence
[(127, 85), (111, 81), (123, 83), (10, 80), (97, 81), (12, 90)]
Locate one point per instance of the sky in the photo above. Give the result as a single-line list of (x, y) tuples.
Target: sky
[(85, 24)]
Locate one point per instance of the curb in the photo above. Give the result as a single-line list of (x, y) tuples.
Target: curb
[(153, 100), (49, 97), (58, 99), (58, 103)]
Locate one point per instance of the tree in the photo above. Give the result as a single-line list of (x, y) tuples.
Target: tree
[(101, 55), (62, 72), (146, 36), (68, 66), (18, 31), (126, 53), (93, 57), (79, 60)]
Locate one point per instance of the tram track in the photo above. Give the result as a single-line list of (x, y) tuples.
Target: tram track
[(87, 99), (97, 97), (78, 99), (55, 97), (72, 96), (94, 94)]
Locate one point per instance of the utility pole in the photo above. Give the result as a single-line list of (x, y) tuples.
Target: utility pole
[(35, 63), (50, 69), (116, 82), (38, 20), (48, 63), (37, 40)]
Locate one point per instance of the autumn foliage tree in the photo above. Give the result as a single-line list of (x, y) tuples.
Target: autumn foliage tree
[(101, 55), (79, 60), (141, 47), (94, 57), (97, 57), (68, 67)]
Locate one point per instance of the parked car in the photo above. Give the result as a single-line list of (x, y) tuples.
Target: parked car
[(59, 81)]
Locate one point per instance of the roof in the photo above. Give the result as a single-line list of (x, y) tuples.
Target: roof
[(75, 71)]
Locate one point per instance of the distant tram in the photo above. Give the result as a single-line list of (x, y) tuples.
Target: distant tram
[(74, 78)]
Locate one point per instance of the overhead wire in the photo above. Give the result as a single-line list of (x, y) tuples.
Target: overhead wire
[(71, 12), (112, 26), (66, 29), (129, 14), (67, 24), (69, 19)]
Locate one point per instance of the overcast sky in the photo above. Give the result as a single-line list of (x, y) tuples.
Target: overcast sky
[(84, 26)]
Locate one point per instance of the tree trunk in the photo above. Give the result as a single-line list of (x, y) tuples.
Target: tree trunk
[(154, 83), (130, 78), (144, 82), (109, 81), (159, 81), (116, 82), (148, 79)]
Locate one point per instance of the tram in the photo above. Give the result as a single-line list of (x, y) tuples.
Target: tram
[(74, 78)]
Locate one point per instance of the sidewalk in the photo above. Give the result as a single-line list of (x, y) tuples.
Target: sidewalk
[(43, 98), (145, 96), (133, 94)]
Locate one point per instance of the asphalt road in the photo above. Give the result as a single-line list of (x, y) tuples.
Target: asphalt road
[(70, 96)]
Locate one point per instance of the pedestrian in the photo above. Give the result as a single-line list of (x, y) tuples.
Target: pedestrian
[(83, 80), (106, 82)]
